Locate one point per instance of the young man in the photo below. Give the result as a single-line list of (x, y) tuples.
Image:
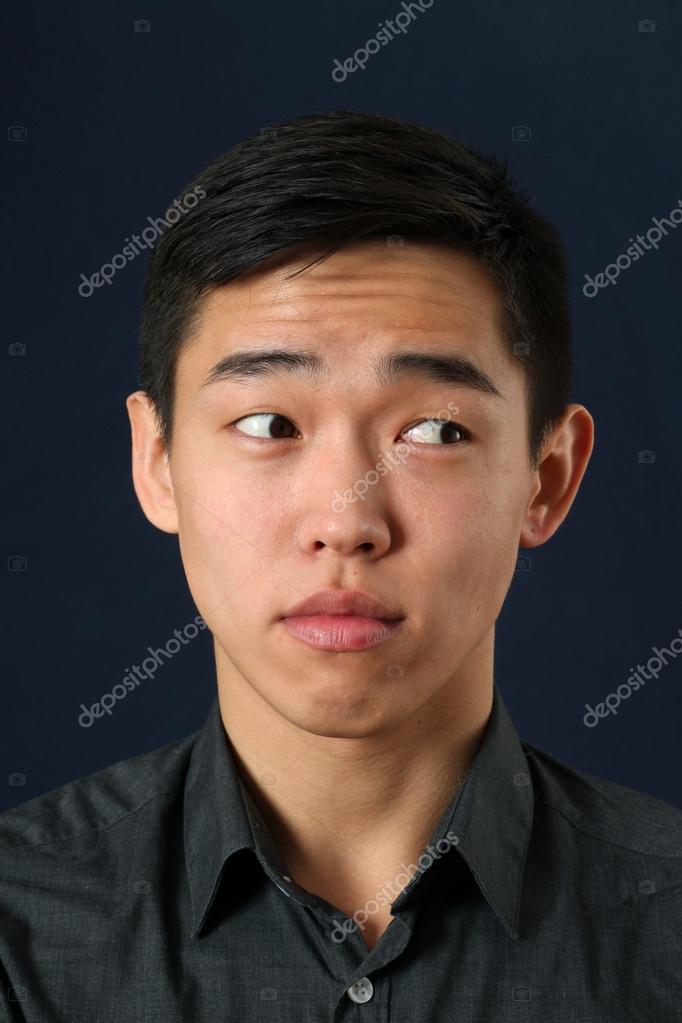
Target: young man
[(355, 369)]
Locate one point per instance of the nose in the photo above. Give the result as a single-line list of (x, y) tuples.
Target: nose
[(354, 530), (347, 522)]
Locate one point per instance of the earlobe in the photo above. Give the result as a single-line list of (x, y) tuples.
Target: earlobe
[(533, 534), (150, 465)]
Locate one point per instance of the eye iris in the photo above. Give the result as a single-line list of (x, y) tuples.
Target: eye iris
[(450, 431), (278, 426)]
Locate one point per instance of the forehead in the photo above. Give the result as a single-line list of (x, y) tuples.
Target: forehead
[(364, 298)]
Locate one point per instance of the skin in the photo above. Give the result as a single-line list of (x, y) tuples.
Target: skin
[(350, 763)]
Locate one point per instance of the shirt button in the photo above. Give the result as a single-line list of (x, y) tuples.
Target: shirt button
[(361, 991)]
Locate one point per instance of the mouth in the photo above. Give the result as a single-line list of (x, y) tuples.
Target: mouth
[(341, 632), (342, 620)]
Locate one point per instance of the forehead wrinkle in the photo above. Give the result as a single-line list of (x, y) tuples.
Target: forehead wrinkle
[(333, 325)]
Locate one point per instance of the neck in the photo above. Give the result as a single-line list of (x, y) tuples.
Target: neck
[(341, 807)]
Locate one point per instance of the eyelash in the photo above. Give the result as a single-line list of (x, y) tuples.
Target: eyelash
[(466, 435)]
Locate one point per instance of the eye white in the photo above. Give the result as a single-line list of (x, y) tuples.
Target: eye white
[(263, 422), (431, 430)]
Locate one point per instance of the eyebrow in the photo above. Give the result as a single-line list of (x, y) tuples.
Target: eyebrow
[(437, 367)]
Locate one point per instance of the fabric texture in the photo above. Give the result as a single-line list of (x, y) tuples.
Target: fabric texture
[(152, 892)]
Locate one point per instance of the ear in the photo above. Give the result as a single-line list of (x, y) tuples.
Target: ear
[(151, 472), (558, 476)]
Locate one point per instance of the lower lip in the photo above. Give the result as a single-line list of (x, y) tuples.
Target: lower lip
[(340, 632)]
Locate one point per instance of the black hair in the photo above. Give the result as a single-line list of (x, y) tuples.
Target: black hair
[(328, 180)]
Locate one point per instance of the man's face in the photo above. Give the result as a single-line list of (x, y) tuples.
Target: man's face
[(278, 490)]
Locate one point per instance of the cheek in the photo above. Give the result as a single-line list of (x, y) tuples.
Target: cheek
[(472, 537), (225, 533), (493, 538)]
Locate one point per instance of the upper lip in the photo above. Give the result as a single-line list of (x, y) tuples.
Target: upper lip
[(342, 602)]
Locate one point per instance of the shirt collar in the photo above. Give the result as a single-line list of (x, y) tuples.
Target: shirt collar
[(215, 821), (492, 816)]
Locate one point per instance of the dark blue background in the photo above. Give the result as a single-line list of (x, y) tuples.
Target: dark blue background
[(117, 123)]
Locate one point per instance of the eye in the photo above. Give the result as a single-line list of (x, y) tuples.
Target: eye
[(267, 425), (431, 431), (273, 426)]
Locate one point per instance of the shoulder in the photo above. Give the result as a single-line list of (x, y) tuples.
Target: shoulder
[(96, 802), (605, 810)]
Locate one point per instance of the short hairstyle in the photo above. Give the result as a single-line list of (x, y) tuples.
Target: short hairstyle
[(328, 180)]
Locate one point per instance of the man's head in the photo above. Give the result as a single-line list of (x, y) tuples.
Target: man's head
[(410, 427)]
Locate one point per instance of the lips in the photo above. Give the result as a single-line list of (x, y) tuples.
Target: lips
[(341, 633), (343, 602), (342, 621)]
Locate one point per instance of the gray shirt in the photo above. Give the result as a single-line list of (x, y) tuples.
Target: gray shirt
[(151, 892)]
